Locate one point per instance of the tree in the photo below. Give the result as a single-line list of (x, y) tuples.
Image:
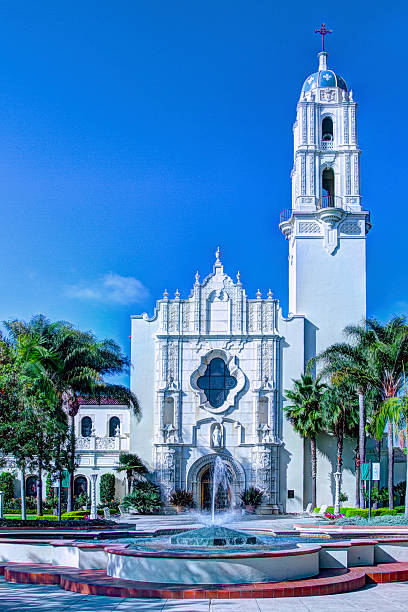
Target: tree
[(107, 488), (77, 366), (392, 411), (351, 363), (389, 354), (27, 404), (132, 465), (341, 415), (306, 415), (7, 486)]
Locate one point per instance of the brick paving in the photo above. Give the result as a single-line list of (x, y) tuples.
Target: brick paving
[(35, 598)]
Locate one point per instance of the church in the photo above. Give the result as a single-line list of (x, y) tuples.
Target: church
[(210, 369)]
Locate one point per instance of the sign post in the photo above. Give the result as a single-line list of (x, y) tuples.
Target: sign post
[(365, 474)]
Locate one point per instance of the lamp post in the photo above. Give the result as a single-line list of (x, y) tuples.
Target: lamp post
[(337, 476), (1, 504), (94, 513)]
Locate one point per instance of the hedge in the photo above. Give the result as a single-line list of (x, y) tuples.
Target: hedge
[(78, 514), (364, 512), (49, 521), (348, 512)]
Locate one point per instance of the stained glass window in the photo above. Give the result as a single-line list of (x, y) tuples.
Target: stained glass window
[(216, 382)]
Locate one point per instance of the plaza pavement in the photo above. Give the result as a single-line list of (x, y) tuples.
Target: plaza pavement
[(34, 598)]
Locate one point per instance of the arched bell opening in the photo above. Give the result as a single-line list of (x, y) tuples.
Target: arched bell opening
[(327, 129), (328, 196)]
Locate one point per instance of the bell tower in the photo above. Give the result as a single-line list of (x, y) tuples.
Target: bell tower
[(327, 225)]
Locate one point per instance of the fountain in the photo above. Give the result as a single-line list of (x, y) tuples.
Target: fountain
[(213, 554), (213, 534)]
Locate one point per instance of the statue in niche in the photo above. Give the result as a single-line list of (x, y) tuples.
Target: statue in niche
[(169, 433), (216, 437), (264, 432), (117, 431)]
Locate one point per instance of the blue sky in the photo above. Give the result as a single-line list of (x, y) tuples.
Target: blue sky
[(136, 136)]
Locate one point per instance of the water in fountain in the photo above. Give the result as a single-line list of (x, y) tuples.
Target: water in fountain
[(221, 478), (213, 534)]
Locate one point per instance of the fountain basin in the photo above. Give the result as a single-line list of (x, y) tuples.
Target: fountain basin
[(213, 567), (213, 536)]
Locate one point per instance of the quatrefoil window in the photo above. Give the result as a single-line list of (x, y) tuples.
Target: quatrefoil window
[(216, 382)]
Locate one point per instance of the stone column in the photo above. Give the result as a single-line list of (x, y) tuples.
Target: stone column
[(94, 512)]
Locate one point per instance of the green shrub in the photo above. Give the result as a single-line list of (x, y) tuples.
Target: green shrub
[(330, 510), (107, 488), (7, 486), (46, 518), (251, 496), (145, 498), (182, 498)]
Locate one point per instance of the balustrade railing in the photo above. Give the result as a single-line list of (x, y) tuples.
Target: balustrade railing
[(330, 201), (285, 215), (95, 443), (327, 144)]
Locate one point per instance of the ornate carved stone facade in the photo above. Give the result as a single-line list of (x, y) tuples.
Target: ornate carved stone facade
[(218, 325)]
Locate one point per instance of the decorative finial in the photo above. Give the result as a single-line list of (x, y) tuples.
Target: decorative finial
[(218, 263), (177, 294), (323, 31), (239, 277), (351, 95), (165, 295), (270, 295), (197, 278), (258, 295)]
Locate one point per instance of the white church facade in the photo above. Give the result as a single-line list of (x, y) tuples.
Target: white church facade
[(210, 370)]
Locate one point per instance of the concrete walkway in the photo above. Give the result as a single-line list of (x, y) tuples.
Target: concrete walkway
[(187, 519), (390, 597)]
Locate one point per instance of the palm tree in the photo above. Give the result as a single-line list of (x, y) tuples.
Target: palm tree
[(132, 465), (77, 368), (351, 363), (306, 415), (341, 415), (389, 353)]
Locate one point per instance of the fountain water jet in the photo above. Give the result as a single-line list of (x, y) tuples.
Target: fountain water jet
[(214, 534), (221, 477)]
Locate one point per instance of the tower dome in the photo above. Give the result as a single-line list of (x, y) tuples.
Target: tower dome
[(324, 77)]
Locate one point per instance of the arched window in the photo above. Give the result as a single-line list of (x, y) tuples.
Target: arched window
[(328, 187), (80, 485), (114, 423), (168, 411), (31, 486), (216, 382), (327, 129), (86, 427), (263, 410)]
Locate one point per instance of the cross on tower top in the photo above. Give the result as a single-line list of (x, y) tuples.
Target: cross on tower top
[(323, 31)]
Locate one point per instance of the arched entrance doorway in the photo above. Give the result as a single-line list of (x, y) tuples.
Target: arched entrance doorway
[(199, 481), (31, 486), (223, 494)]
